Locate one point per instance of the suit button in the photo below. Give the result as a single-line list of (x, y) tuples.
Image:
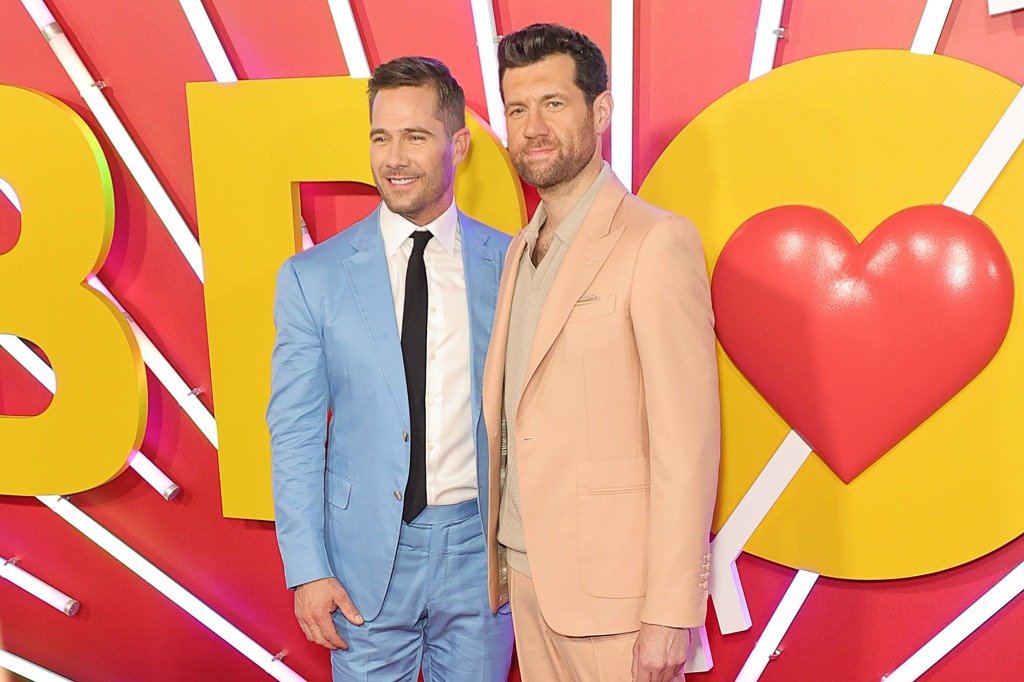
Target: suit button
[(398, 496)]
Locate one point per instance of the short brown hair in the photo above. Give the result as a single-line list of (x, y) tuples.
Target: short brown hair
[(411, 72), (539, 41)]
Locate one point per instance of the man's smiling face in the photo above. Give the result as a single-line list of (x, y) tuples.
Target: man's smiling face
[(412, 156)]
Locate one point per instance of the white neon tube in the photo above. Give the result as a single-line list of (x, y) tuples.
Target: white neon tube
[(351, 41), (157, 479), (997, 150), (1000, 6), (37, 588), (487, 49), (156, 362), (726, 588), (307, 239), (45, 375), (169, 588), (12, 196), (929, 30), (26, 357), (622, 90), (963, 625), (209, 43), (90, 91), (777, 626), (766, 37), (27, 669)]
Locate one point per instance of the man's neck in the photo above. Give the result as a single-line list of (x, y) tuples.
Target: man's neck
[(560, 199)]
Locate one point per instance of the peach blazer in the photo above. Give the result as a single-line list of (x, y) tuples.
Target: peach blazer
[(618, 425)]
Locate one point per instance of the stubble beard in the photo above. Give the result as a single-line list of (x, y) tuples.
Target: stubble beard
[(411, 206), (570, 161)]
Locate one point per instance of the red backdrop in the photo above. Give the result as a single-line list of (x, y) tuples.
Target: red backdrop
[(688, 53)]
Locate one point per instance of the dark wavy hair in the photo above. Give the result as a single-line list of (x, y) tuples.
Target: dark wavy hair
[(538, 41), (423, 71)]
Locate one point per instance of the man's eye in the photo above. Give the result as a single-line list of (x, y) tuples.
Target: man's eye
[(555, 105)]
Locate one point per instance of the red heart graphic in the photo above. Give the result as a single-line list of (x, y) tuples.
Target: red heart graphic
[(855, 345)]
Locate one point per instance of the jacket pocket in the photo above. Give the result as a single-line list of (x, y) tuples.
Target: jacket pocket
[(613, 501), (589, 307), (338, 489)]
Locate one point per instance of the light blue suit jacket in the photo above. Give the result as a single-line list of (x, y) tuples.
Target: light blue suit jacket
[(336, 487)]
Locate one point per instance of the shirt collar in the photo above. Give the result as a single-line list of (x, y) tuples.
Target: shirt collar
[(395, 229), (574, 219)]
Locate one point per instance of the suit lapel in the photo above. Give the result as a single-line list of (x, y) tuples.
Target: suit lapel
[(368, 277), (482, 266), (494, 370), (494, 382), (586, 255)]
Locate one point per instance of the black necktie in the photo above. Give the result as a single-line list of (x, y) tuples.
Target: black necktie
[(414, 353)]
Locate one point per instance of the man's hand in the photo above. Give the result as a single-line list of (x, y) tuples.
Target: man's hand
[(314, 604), (659, 653)]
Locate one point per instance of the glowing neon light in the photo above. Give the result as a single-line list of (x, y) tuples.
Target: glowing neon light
[(156, 478), (933, 19), (136, 563), (622, 90), (778, 625), (26, 357), (1000, 6), (486, 47), (27, 669), (156, 362), (209, 43), (351, 41), (12, 196), (997, 150), (90, 90), (766, 37), (963, 625), (45, 375), (726, 588), (37, 588)]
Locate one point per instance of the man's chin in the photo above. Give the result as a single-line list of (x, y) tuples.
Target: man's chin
[(399, 205), (540, 180)]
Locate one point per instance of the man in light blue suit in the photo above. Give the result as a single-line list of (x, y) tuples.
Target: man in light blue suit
[(385, 327)]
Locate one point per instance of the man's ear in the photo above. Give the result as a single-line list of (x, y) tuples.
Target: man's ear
[(460, 145), (602, 111)]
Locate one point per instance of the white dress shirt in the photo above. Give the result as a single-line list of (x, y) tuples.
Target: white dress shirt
[(451, 454)]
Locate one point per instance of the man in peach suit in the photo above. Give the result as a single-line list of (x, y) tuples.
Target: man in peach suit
[(600, 394)]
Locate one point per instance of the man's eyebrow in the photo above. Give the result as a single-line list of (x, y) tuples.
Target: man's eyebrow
[(412, 129), (544, 98)]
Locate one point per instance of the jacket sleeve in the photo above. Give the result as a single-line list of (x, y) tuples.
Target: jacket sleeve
[(297, 417), (674, 330)]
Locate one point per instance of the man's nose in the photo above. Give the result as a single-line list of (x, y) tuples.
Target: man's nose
[(397, 155), (535, 126)]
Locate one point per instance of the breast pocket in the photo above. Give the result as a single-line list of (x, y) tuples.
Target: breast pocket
[(613, 498), (592, 306)]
